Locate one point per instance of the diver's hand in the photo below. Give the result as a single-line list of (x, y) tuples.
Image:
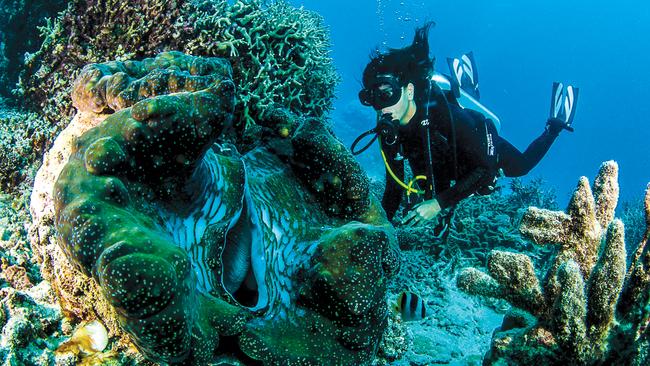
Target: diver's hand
[(555, 125), (422, 213)]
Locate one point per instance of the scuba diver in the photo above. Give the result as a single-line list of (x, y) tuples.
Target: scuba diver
[(436, 123)]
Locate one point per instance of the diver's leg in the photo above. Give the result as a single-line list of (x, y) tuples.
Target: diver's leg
[(515, 163)]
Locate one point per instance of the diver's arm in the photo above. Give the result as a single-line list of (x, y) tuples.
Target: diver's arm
[(429, 209), (515, 163), (465, 187)]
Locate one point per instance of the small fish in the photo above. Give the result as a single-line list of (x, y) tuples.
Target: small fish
[(410, 306)]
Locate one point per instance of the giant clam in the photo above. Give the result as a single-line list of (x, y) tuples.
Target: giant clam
[(190, 241)]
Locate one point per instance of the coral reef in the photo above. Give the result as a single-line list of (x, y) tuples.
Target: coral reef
[(483, 223), (31, 320), (22, 143), (190, 242), (19, 20), (279, 54), (586, 310), (16, 270), (26, 318), (533, 193)]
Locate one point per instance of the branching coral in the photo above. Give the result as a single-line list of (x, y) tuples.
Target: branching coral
[(17, 18), (531, 194), (279, 54), (483, 223), (578, 319)]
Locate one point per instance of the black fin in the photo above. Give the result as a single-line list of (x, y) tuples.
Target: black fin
[(465, 74), (564, 101)]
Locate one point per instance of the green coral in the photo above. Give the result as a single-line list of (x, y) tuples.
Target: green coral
[(582, 310)]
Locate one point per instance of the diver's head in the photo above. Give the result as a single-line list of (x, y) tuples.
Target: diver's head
[(395, 81)]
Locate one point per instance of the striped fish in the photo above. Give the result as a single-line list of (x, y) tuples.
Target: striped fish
[(410, 306)]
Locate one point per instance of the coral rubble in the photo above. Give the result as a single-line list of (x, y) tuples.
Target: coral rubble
[(586, 310), (26, 317), (188, 241)]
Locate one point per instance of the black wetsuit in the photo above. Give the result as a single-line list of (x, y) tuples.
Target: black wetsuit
[(480, 153)]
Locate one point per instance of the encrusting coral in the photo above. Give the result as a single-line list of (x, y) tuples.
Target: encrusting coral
[(587, 310), (190, 241)]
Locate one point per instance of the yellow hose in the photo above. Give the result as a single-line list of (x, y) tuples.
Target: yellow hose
[(409, 188)]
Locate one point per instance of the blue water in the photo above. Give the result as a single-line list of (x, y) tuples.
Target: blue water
[(521, 47)]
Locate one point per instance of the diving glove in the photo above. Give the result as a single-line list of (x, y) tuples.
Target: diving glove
[(555, 125)]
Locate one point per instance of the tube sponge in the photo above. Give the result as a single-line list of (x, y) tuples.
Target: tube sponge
[(589, 308)]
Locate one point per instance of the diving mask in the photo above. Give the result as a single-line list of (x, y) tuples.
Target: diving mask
[(384, 92)]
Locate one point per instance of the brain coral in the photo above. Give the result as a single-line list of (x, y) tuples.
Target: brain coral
[(192, 242)]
